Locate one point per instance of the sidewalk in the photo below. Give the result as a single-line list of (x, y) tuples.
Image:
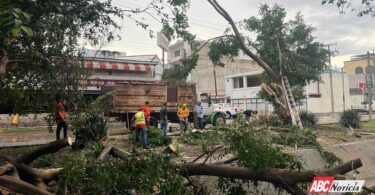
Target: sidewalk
[(27, 138)]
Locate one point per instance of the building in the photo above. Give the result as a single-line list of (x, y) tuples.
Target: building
[(110, 67), (358, 64), (357, 68), (242, 91), (203, 74)]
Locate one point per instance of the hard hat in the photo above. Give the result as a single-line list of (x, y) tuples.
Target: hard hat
[(184, 104)]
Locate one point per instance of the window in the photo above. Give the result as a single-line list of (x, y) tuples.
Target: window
[(177, 53), (252, 81), (237, 82), (239, 103), (369, 69), (359, 70), (302, 104)]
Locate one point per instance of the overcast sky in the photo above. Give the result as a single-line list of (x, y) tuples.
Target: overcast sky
[(353, 34)]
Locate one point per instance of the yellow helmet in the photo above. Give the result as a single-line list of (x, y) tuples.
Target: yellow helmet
[(184, 104)]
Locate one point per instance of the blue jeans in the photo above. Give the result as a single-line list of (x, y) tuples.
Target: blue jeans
[(144, 136), (164, 128), (200, 123), (61, 125)]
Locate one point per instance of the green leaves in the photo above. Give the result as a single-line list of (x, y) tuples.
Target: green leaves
[(303, 58), (226, 46)]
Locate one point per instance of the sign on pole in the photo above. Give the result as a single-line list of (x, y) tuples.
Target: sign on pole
[(369, 81), (163, 41)]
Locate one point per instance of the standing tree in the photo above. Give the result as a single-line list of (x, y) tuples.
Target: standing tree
[(283, 48)]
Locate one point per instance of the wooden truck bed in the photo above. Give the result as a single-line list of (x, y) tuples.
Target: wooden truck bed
[(128, 97)]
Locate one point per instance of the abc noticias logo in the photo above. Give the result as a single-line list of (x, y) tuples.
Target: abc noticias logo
[(326, 184)]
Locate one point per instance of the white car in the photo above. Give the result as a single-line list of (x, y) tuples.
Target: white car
[(230, 111), (364, 107)]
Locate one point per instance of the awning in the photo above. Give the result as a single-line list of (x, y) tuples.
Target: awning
[(118, 66)]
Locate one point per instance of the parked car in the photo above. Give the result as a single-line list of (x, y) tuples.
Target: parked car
[(363, 107)]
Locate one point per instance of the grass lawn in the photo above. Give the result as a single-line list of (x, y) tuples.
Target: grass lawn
[(17, 129), (368, 126)]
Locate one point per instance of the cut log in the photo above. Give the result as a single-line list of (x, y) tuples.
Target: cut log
[(43, 174), (19, 186), (5, 167), (104, 152), (118, 153), (170, 149), (49, 148)]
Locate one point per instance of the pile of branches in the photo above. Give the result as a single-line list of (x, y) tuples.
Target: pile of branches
[(16, 175)]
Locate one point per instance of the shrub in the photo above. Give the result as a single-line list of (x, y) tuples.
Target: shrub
[(350, 118), (307, 118), (90, 127)]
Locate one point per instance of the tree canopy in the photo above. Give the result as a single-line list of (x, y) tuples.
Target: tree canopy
[(49, 61)]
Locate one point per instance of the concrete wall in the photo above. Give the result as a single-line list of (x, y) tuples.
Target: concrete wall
[(323, 104)]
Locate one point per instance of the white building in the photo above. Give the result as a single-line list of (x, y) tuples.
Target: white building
[(241, 91)]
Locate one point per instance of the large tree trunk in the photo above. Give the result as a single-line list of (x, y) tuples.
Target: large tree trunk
[(49, 148), (20, 186)]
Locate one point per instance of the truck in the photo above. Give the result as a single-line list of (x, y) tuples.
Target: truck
[(129, 96), (213, 113)]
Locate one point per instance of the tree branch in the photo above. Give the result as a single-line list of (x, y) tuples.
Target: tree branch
[(239, 37), (276, 176), (20, 186)]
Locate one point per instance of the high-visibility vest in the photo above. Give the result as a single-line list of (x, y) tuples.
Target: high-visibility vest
[(184, 113), (140, 118)]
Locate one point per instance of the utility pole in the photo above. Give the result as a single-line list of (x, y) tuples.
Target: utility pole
[(330, 76), (343, 88), (215, 82), (370, 74), (163, 59)]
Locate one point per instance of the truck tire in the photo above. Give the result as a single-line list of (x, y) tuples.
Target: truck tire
[(228, 115), (219, 120)]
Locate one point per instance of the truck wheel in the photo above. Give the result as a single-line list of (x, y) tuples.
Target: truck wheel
[(228, 115), (219, 120)]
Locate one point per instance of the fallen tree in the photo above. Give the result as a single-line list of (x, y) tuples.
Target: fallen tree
[(17, 176)]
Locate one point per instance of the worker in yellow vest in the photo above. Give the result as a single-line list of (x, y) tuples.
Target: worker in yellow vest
[(183, 114), (140, 121)]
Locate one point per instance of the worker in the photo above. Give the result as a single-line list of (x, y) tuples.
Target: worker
[(164, 121), (140, 121), (60, 117), (183, 114), (248, 114), (199, 111), (147, 110)]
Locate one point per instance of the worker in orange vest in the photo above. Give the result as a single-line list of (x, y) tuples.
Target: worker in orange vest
[(183, 114)]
